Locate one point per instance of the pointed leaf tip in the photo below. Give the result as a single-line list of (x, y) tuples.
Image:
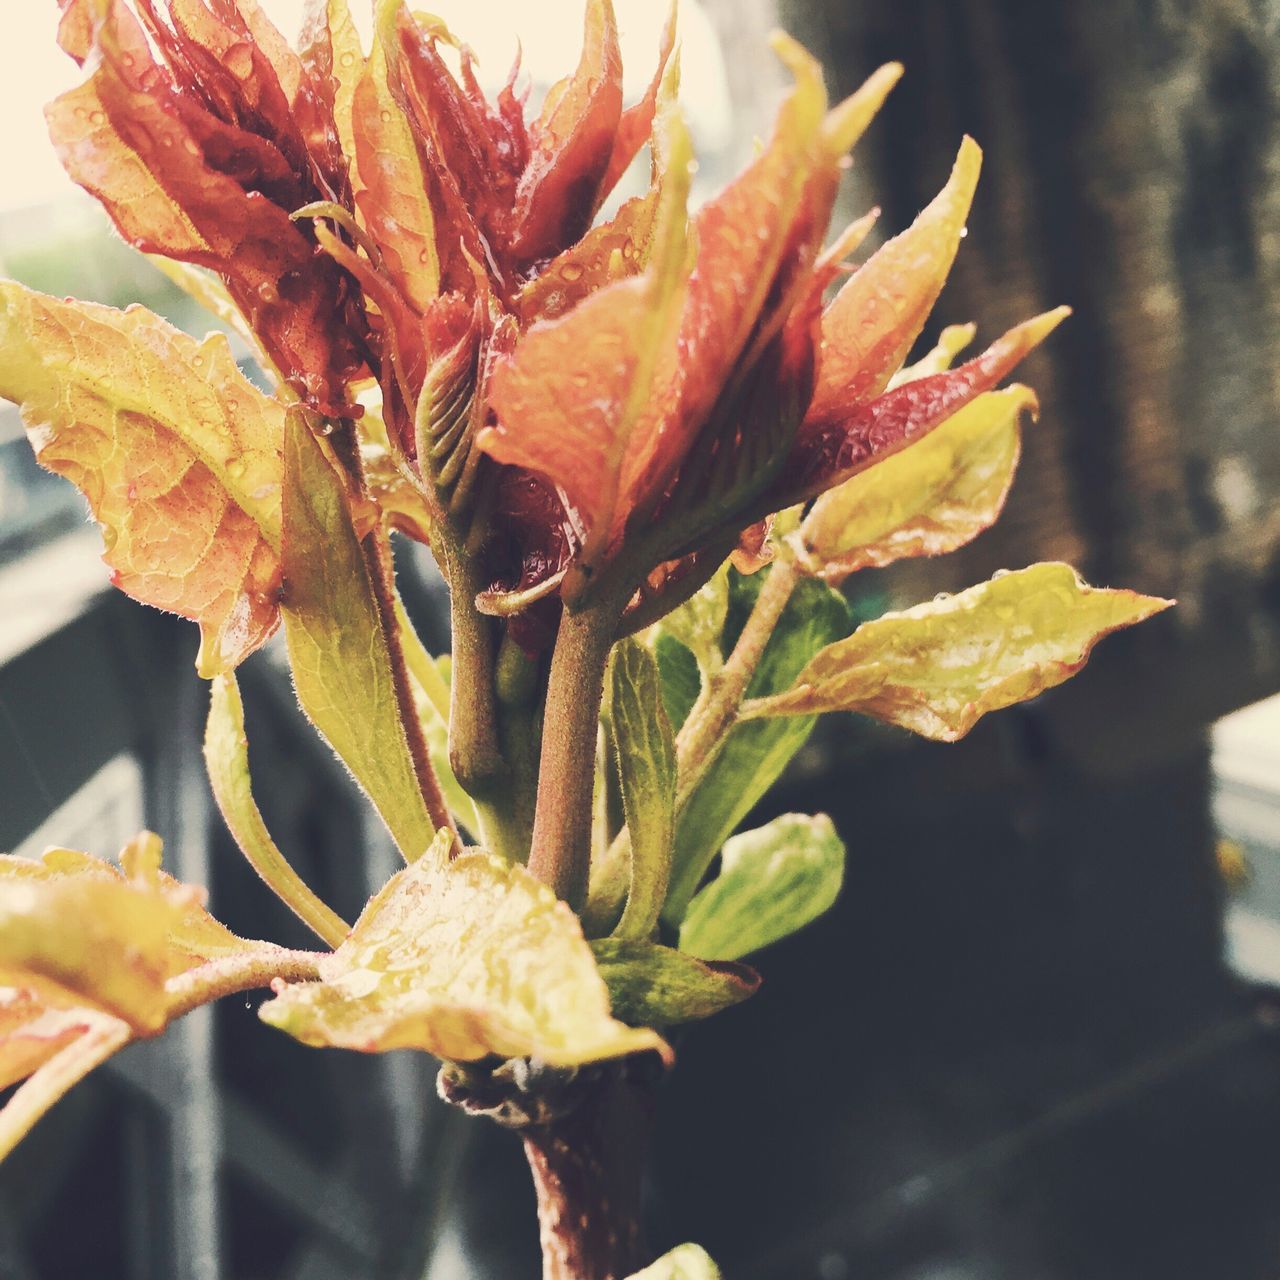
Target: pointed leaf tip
[(939, 667), (847, 121)]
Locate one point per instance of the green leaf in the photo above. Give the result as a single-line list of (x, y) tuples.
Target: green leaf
[(938, 668), (751, 761), (226, 754), (464, 959), (337, 643), (931, 498), (688, 1262), (654, 986), (773, 881), (646, 756), (699, 623), (681, 682)]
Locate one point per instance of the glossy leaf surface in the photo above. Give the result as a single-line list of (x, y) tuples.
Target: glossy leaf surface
[(465, 959), (931, 498), (938, 668), (773, 881)]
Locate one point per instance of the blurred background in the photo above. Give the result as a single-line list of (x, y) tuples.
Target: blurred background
[(1037, 1038)]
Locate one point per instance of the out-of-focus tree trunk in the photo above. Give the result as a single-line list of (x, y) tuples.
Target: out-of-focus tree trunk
[(1133, 171)]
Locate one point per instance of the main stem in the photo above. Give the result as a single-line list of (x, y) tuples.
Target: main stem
[(561, 847), (588, 1171)]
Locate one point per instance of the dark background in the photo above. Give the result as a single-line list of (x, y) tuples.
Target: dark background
[(1014, 1051)]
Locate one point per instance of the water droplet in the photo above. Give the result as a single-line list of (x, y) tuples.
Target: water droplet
[(235, 468), (268, 293), (571, 272), (97, 117)]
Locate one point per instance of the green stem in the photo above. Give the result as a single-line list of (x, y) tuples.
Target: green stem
[(474, 749), (561, 847)]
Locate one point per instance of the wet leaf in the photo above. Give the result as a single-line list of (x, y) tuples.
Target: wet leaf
[(393, 195), (646, 755), (751, 761), (654, 986), (688, 1262), (773, 881), (337, 640), (931, 498), (578, 402), (168, 150), (938, 668), (876, 317), (571, 144), (465, 959), (178, 455), (828, 453)]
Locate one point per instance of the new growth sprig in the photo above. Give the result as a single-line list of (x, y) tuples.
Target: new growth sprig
[(644, 452)]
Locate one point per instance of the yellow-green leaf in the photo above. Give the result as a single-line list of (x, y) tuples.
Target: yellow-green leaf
[(654, 986), (464, 959), (699, 623), (773, 881), (88, 957), (931, 498), (226, 754), (646, 756), (338, 648), (178, 455), (688, 1262), (938, 668)]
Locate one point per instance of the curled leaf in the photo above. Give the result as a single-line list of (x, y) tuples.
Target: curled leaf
[(773, 881), (654, 986), (89, 958), (938, 668), (178, 455), (931, 498), (226, 754), (464, 959)]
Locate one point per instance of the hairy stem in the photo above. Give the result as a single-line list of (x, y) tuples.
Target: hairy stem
[(378, 557), (703, 733), (561, 848), (246, 971)]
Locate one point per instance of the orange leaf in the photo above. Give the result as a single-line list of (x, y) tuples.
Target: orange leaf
[(571, 145), (871, 325), (178, 455)]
